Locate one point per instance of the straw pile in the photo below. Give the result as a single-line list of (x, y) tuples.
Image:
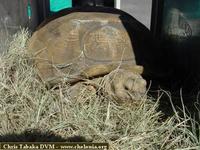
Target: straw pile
[(25, 103)]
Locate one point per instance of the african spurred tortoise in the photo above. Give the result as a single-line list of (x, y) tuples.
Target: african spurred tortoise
[(83, 44)]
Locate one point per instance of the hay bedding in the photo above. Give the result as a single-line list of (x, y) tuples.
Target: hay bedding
[(25, 103)]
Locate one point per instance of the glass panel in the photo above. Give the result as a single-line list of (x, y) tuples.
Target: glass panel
[(139, 9), (56, 5), (181, 19)]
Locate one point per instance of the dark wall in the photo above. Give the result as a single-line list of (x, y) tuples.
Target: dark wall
[(107, 3)]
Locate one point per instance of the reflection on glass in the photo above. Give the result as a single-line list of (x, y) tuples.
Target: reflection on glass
[(181, 19)]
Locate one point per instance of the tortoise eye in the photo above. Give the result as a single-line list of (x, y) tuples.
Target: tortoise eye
[(128, 85)]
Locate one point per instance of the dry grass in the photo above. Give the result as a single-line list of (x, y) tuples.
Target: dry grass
[(25, 103)]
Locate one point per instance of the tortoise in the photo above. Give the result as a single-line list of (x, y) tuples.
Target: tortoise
[(84, 43)]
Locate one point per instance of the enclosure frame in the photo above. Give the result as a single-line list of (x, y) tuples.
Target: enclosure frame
[(156, 18)]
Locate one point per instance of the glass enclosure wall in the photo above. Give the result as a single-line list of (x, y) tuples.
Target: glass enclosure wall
[(140, 9), (176, 26), (181, 20), (16, 13)]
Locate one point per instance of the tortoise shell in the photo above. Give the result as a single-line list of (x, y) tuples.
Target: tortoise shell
[(78, 40)]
